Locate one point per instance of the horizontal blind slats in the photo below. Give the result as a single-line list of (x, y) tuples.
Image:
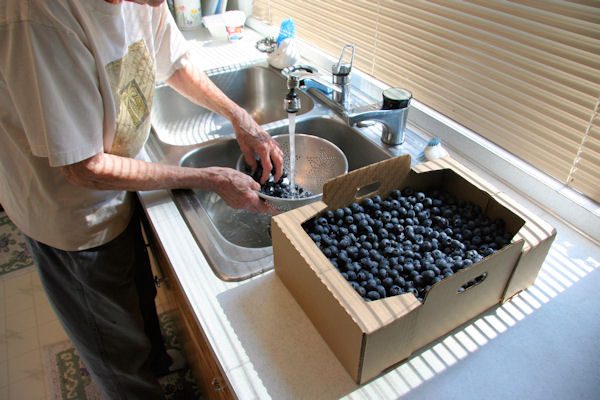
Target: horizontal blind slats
[(533, 19), (441, 62), (466, 38), (525, 75), (579, 10)]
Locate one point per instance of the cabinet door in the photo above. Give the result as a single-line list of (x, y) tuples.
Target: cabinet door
[(170, 298)]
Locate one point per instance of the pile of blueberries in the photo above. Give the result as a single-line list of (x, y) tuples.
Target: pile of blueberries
[(406, 242), (281, 188)]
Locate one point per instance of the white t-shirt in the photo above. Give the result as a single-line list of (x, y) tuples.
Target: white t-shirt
[(77, 77)]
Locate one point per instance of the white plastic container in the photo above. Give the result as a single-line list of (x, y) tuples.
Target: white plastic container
[(234, 23), (216, 26), (188, 14)]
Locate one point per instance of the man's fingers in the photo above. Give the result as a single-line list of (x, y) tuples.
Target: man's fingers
[(249, 157), (277, 158), (267, 167)]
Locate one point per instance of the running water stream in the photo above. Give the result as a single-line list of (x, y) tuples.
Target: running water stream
[(292, 167)]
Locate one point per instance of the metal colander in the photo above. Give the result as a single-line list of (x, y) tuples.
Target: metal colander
[(317, 161)]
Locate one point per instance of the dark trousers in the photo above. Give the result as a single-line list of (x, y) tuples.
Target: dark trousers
[(104, 298)]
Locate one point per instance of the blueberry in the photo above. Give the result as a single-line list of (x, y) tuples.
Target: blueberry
[(387, 282), (361, 290), (382, 273), (428, 275), (362, 276), (356, 208), (371, 285), (367, 203), (419, 280), (373, 295), (400, 281), (394, 290), (382, 233), (426, 246), (345, 242), (395, 194), (352, 251), (364, 250)]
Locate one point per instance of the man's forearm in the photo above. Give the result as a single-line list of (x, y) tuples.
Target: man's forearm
[(109, 172), (195, 85)]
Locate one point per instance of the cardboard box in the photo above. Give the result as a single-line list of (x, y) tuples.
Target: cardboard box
[(370, 337)]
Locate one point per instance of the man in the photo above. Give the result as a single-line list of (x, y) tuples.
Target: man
[(77, 79)]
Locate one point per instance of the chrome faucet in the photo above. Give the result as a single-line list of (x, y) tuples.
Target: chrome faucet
[(340, 85), (297, 74), (392, 115)]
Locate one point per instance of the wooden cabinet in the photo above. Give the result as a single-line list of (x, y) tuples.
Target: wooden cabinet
[(198, 353)]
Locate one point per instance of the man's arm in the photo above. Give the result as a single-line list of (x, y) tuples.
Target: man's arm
[(194, 84), (109, 172)]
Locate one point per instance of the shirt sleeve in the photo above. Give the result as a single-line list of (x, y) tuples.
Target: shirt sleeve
[(52, 80), (170, 45)]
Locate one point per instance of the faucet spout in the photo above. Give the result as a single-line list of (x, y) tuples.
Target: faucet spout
[(291, 102), (393, 121)]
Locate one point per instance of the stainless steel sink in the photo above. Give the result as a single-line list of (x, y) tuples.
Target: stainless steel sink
[(237, 243), (259, 90)]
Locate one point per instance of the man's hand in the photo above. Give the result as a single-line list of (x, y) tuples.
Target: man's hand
[(240, 191), (253, 139)]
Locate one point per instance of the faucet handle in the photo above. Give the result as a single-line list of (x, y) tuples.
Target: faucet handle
[(299, 71), (340, 68), (395, 98)]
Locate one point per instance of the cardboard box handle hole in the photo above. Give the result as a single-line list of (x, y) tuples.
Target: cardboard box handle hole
[(367, 190), (472, 283)]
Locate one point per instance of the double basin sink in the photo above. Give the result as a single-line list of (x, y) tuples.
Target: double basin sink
[(237, 243)]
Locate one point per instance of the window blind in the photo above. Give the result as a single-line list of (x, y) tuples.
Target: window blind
[(523, 74)]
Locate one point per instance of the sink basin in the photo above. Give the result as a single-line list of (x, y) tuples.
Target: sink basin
[(259, 90), (237, 243)]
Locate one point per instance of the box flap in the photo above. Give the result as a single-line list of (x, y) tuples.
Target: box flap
[(446, 306), (343, 190), (534, 230), (313, 282), (538, 236)]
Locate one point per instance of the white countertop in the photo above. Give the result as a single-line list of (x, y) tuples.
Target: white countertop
[(543, 344)]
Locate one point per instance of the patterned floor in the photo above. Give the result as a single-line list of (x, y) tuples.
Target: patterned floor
[(30, 332), (68, 378), (14, 256)]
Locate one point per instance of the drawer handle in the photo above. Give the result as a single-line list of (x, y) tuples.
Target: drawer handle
[(217, 385), (158, 281)]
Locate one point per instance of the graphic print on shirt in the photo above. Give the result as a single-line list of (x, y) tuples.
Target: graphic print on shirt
[(132, 83)]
